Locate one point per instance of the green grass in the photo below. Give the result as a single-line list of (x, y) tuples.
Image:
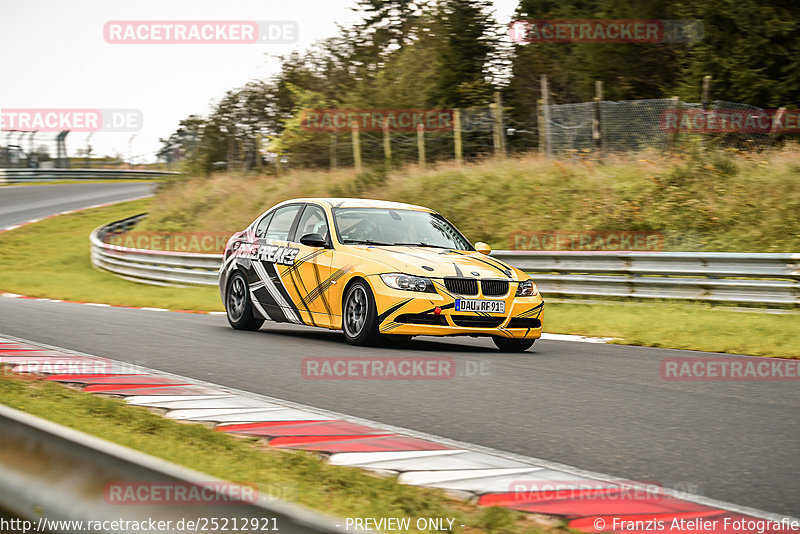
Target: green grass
[(716, 201), (299, 477), (51, 259), (680, 326)]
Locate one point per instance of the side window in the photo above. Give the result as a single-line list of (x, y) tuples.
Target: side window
[(313, 221), (261, 229), (281, 223)]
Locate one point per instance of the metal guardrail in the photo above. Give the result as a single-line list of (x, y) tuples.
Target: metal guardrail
[(765, 278), (50, 473), (749, 278), (150, 266), (12, 176)]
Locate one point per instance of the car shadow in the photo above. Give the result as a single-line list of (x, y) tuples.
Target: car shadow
[(417, 345), (422, 344)]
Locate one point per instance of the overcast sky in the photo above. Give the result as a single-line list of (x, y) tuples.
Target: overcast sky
[(55, 56)]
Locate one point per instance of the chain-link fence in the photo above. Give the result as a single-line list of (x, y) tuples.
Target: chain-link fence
[(634, 125), (562, 130)]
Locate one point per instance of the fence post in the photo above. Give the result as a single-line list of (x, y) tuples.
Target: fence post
[(421, 143), (457, 135), (706, 88), (539, 123), (387, 142), (356, 146), (676, 110), (597, 125), (258, 151), (499, 136), (706, 103), (544, 126), (775, 129), (334, 150)]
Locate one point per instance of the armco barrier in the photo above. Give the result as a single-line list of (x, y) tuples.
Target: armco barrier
[(13, 176), (150, 266), (50, 473), (766, 278)]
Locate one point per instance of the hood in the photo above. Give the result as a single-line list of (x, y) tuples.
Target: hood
[(439, 263)]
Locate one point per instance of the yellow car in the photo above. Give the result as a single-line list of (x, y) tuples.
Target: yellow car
[(374, 269)]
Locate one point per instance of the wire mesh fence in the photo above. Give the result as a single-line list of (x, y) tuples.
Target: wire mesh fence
[(662, 124), (583, 128)]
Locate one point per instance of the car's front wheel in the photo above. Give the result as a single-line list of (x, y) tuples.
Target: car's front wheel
[(512, 345), (238, 306), (359, 315)]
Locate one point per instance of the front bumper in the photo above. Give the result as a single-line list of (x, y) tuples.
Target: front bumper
[(413, 313)]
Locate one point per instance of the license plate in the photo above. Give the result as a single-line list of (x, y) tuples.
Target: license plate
[(486, 306)]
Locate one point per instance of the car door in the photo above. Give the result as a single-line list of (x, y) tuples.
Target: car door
[(309, 278), (274, 254)]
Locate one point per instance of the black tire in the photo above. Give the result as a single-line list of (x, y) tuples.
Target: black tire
[(238, 306), (359, 315), (512, 345)]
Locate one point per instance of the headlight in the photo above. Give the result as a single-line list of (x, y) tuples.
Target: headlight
[(408, 282), (527, 288)]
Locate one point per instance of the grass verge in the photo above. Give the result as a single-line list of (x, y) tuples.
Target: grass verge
[(51, 259), (299, 477), (712, 201), (680, 326)]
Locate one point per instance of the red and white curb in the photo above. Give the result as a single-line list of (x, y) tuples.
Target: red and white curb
[(485, 475)]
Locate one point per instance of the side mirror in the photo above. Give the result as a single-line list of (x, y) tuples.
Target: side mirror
[(313, 240), (483, 248)]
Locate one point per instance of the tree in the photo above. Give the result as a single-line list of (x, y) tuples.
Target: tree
[(468, 42), (750, 48)]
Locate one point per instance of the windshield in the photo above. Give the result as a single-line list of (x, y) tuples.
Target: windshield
[(394, 227)]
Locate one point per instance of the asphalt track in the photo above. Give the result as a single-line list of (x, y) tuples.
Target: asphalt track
[(19, 204), (598, 407)]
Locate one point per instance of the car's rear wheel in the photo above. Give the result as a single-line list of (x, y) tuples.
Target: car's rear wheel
[(359, 315), (512, 345), (238, 306)]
